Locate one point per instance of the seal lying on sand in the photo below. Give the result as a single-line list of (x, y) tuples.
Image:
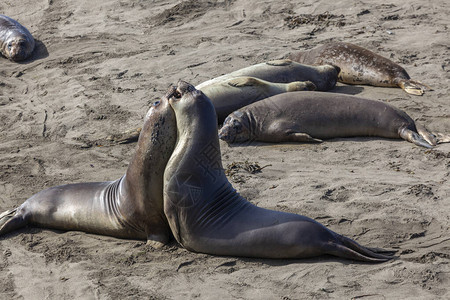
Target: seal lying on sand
[(309, 117), (360, 66), (16, 42), (284, 71), (130, 207), (234, 93), (207, 215), (231, 93)]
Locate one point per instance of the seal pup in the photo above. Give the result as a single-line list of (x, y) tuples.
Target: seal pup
[(284, 71), (231, 94), (361, 66), (313, 116), (130, 207), (16, 42), (207, 215)]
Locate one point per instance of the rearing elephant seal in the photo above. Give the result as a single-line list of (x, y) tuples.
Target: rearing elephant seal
[(284, 71), (360, 66), (130, 207), (234, 93), (309, 117), (16, 42), (207, 215)]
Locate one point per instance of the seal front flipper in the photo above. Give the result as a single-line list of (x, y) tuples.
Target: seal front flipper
[(302, 137), (413, 87), (129, 136)]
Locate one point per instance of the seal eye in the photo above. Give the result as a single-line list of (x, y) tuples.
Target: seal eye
[(9, 46), (237, 126), (156, 103)]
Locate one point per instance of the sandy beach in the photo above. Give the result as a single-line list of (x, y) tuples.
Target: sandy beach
[(98, 66)]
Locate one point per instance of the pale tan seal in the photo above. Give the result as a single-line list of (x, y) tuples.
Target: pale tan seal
[(16, 42), (207, 215), (360, 66), (284, 71), (234, 93), (312, 116), (130, 207)]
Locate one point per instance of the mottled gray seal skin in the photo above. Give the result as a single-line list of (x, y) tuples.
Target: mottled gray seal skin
[(284, 71), (232, 94), (16, 42), (207, 215), (312, 116), (360, 66), (130, 207)]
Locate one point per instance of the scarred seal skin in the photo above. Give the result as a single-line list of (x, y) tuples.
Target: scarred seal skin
[(207, 215), (312, 116), (130, 207), (16, 42), (360, 66)]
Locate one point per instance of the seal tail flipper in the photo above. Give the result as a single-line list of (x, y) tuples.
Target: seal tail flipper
[(363, 250), (426, 134), (347, 248), (10, 221), (346, 252), (442, 138), (414, 87), (413, 137)]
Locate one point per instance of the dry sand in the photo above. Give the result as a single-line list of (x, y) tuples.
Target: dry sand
[(99, 64)]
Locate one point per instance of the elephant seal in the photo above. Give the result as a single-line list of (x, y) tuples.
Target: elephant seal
[(228, 95), (207, 215), (361, 66), (129, 207), (232, 94), (312, 116), (16, 42), (285, 71)]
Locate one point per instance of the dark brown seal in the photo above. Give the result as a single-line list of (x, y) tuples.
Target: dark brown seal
[(207, 215), (312, 116), (361, 66), (130, 207), (16, 42)]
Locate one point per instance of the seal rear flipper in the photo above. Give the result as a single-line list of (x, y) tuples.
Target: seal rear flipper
[(414, 87), (371, 252), (302, 137), (442, 138), (10, 221), (426, 134), (413, 137), (345, 252)]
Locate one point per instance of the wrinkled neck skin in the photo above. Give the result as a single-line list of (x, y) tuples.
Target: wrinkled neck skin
[(193, 170), (142, 184)]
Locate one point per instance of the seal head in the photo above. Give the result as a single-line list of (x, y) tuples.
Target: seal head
[(16, 42)]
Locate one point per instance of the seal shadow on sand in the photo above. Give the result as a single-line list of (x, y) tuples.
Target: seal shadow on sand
[(347, 89)]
